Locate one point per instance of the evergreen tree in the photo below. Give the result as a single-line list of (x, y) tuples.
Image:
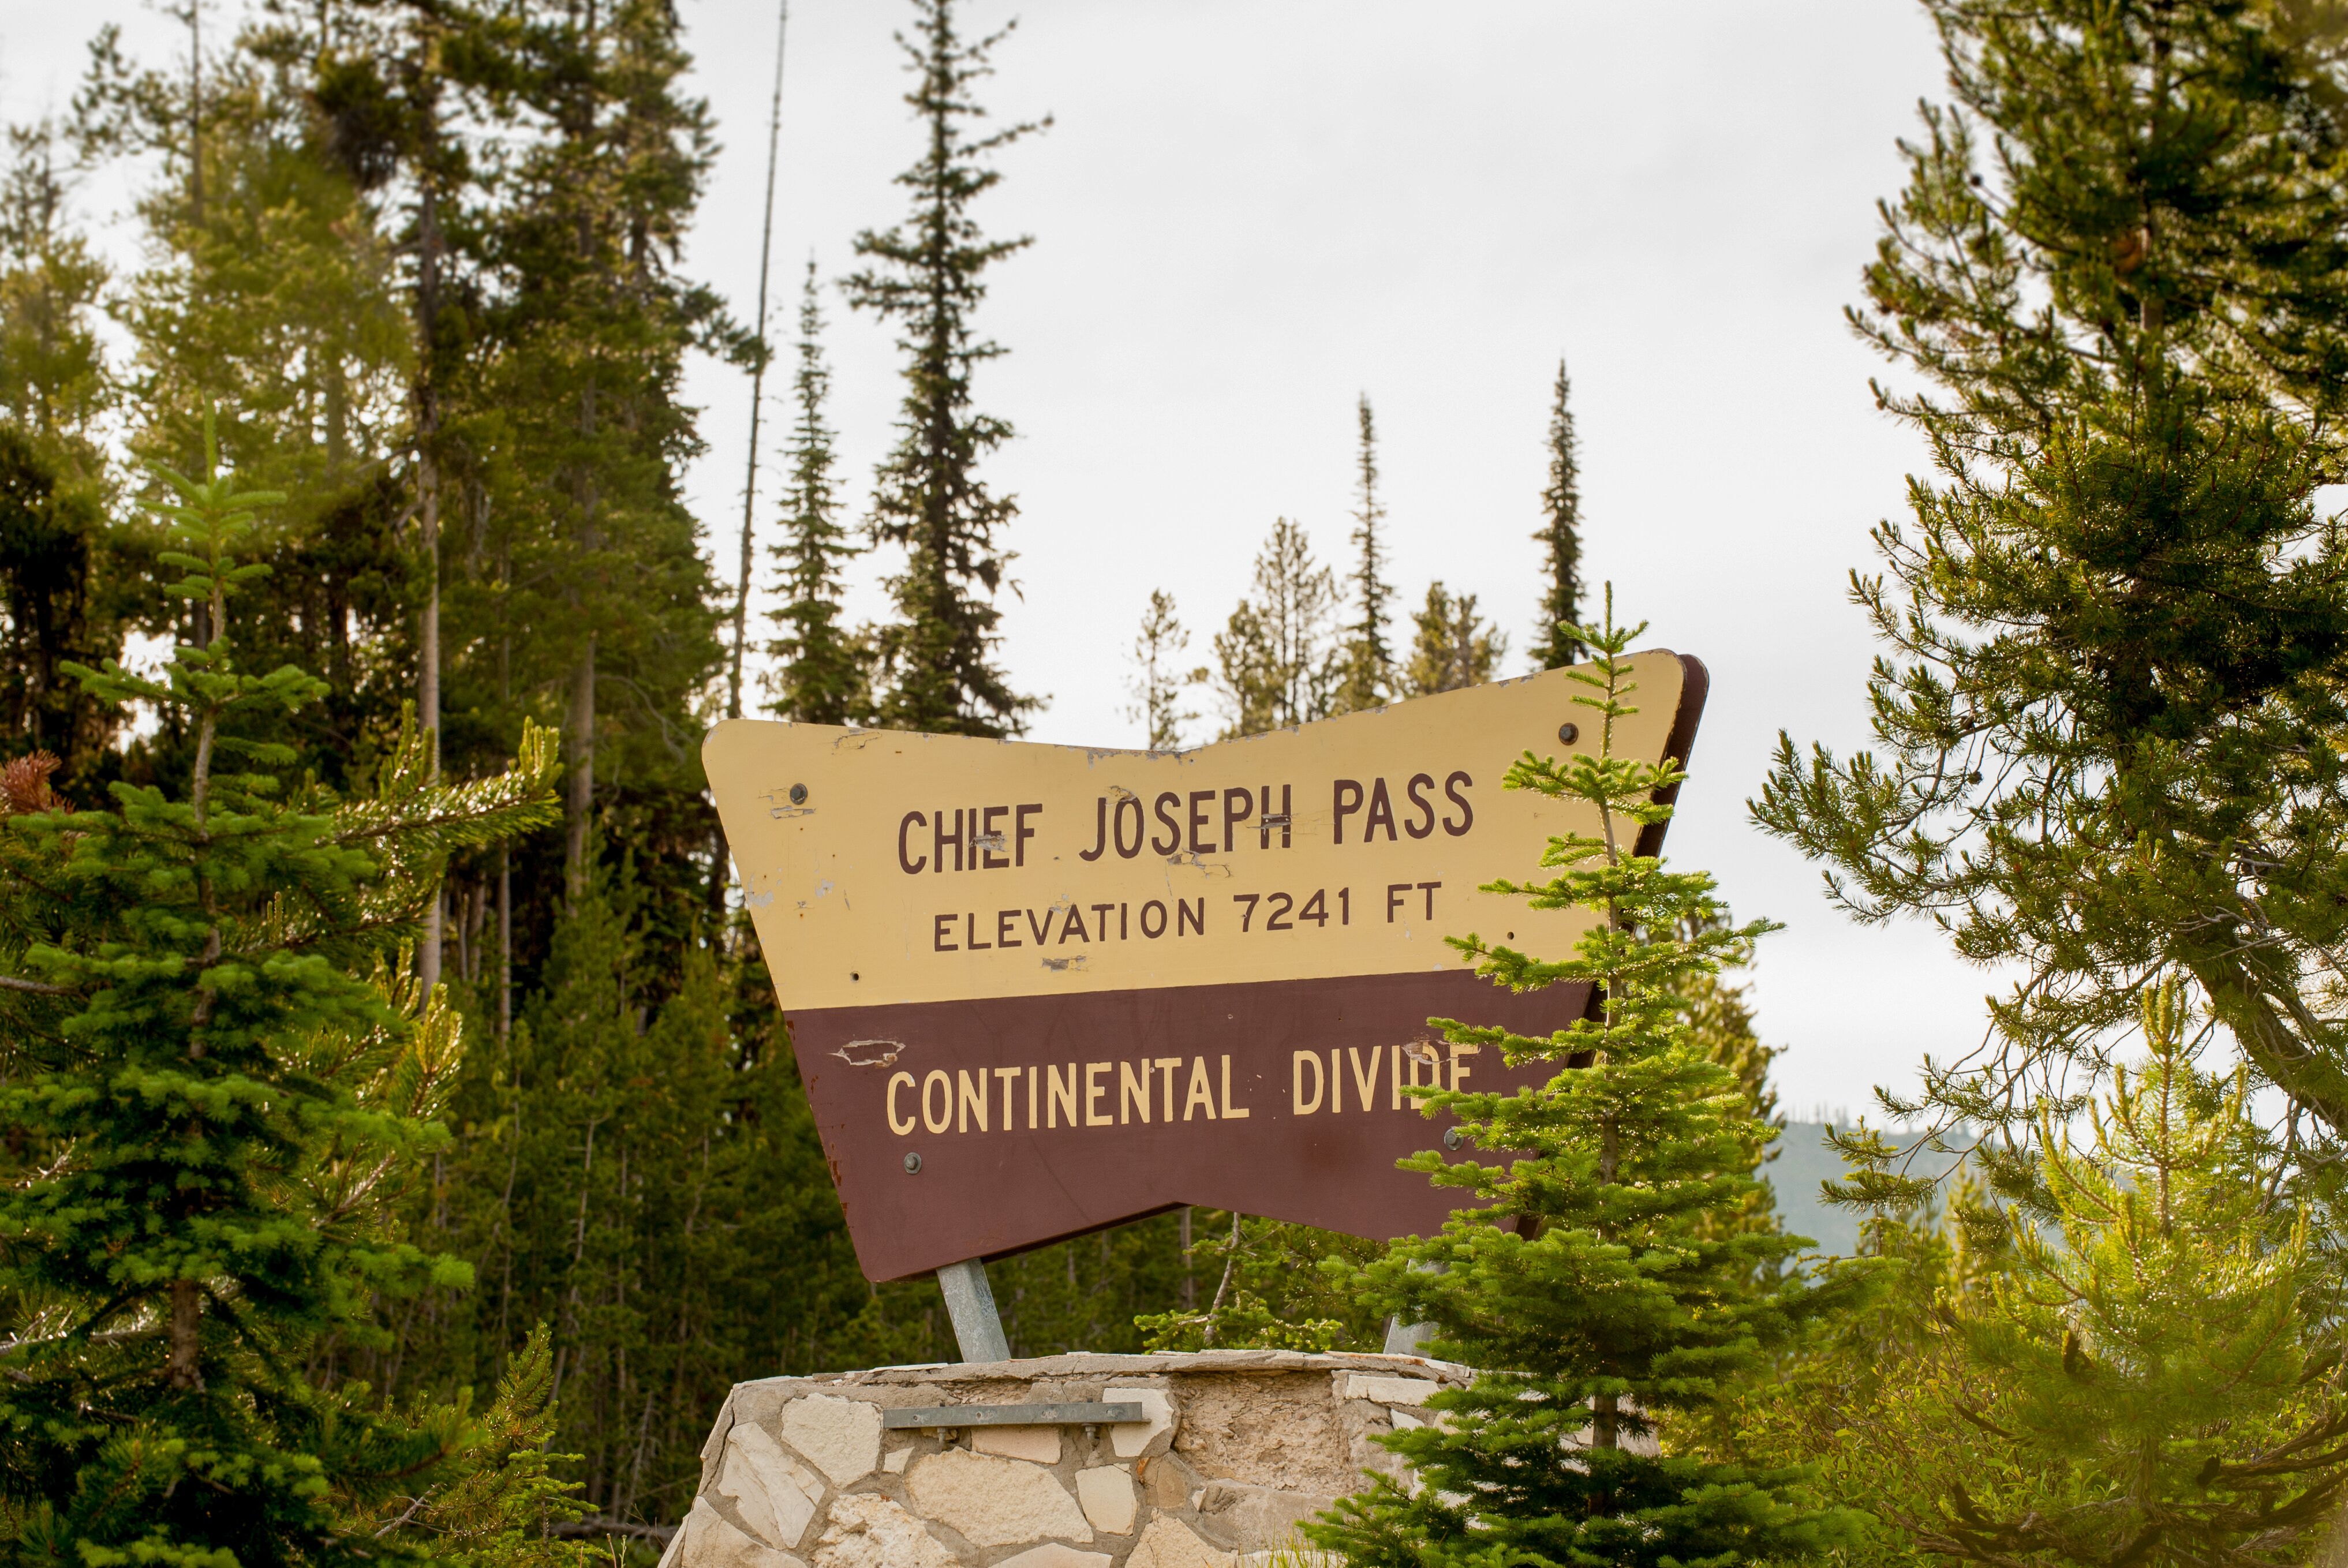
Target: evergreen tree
[(1369, 658), (53, 490), (824, 675), (1717, 1013), (1275, 662), (1158, 685), (2107, 746), (1454, 647), (928, 274), (1557, 640), (1271, 1290), (1594, 1274), (604, 592), (2125, 1349), (54, 384), (220, 1103), (278, 298)]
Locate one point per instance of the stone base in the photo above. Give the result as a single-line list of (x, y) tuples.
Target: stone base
[(1238, 1446)]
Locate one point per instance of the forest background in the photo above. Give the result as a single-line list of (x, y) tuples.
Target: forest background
[(1319, 200), (425, 264)]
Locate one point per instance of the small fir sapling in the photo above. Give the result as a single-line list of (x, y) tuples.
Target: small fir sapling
[(215, 1120), (2140, 1362), (1603, 1279)]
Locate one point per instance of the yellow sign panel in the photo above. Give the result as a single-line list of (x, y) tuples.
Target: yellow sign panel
[(882, 867)]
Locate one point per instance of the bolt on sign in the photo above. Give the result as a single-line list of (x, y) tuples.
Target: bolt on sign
[(1037, 990)]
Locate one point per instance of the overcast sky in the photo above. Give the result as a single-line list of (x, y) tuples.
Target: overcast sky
[(1246, 214)]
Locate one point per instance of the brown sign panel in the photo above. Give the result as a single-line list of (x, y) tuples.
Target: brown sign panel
[(1036, 990)]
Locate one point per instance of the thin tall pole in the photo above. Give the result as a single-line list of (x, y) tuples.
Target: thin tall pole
[(757, 375)]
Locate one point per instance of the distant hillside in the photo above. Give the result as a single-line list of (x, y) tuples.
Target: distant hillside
[(1803, 1161)]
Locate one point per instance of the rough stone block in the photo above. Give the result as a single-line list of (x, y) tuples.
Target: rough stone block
[(867, 1530), (709, 1540), (1052, 1554), (1285, 1431), (773, 1493), (1389, 1390), (1038, 1445), (1106, 1493), (1152, 1433), (1264, 1438), (991, 1501), (1170, 1543), (840, 1437), (1258, 1518), (1169, 1480)]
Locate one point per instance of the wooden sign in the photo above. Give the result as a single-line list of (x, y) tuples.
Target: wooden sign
[(1037, 990)]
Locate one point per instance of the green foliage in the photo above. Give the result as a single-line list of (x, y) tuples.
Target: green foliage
[(54, 389), (1275, 664), (929, 276), (2128, 1352), (629, 1163), (1593, 1277), (489, 1504), (52, 378), (1369, 677), (1557, 640), (1272, 1292), (2106, 734), (824, 670), (219, 1111), (1454, 647), (1158, 684)]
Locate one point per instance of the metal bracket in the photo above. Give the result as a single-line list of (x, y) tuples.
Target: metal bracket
[(1070, 1415), (970, 1304)]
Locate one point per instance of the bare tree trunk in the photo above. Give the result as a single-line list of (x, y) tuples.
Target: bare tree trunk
[(1189, 1281), (196, 109), (187, 1320), (505, 851), (505, 942), (427, 692), (758, 384), (428, 496), (581, 724)]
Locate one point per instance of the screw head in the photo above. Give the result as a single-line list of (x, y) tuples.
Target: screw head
[(799, 794), (1453, 1137), (1568, 732), (912, 1164)]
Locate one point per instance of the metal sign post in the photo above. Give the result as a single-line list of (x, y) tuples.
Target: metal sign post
[(1038, 990), (970, 1305)]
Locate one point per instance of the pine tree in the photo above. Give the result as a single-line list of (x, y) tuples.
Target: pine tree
[(1369, 656), (1595, 1268), (54, 490), (1275, 661), (824, 675), (928, 274), (52, 379), (1557, 640), (280, 301), (606, 596), (1158, 685), (1271, 1290), (2105, 733), (225, 1099), (2125, 1348), (1454, 646)]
